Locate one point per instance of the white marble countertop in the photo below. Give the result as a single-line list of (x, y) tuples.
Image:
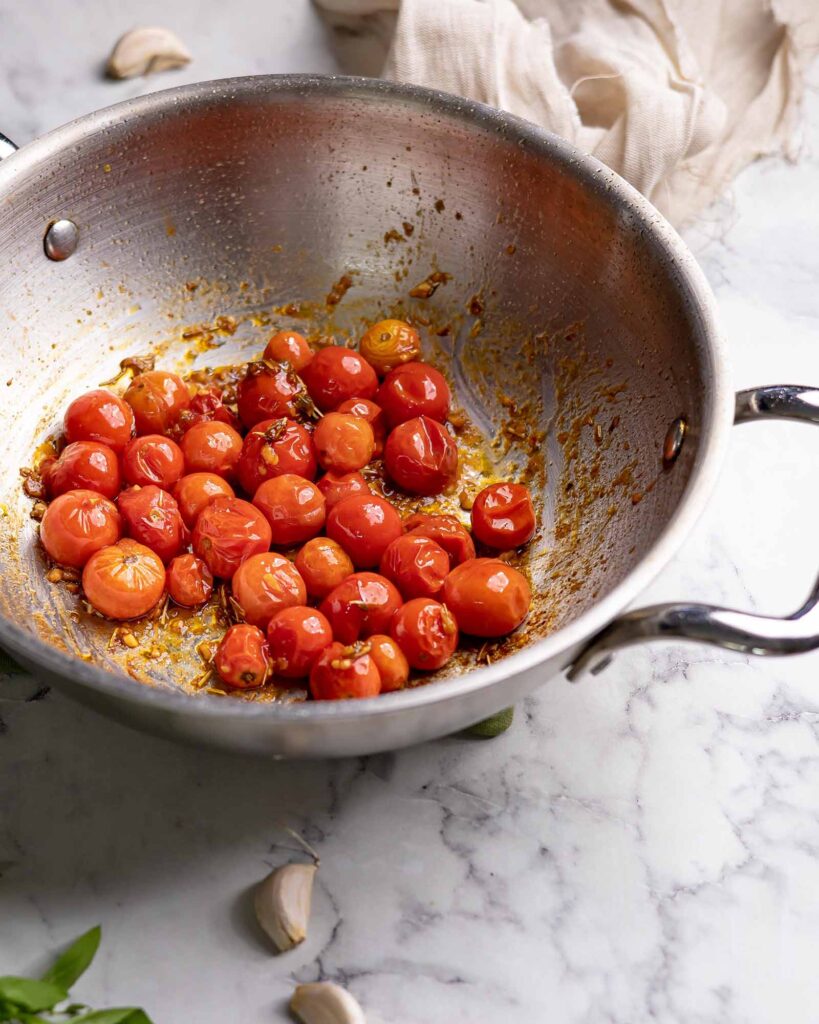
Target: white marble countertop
[(643, 847)]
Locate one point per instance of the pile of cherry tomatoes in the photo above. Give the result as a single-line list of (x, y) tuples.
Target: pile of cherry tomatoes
[(143, 499)]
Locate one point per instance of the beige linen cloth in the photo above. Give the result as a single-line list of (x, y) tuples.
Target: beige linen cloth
[(675, 95)]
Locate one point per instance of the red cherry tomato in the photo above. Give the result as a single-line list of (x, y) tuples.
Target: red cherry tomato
[(189, 581), (373, 414), (99, 416), (212, 447), (151, 517), (416, 565), (157, 399), (323, 564), (124, 580), (336, 374), (360, 606), (289, 347), (427, 633), (487, 597), (343, 443), (264, 584), (296, 637), (152, 459), (242, 658), (414, 389), (205, 406), (196, 491), (503, 516), (344, 673), (268, 391), (445, 531), (337, 486), (389, 659), (388, 344), (364, 525), (293, 506), (421, 456), (77, 524), (274, 447), (85, 466), (228, 531)]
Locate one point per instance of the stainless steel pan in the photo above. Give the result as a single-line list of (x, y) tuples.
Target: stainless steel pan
[(572, 308)]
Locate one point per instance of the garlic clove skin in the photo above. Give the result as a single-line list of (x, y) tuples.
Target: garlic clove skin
[(282, 904), (145, 50), (324, 1002)]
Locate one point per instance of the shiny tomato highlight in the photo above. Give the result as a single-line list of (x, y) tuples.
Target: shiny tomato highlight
[(421, 457), (157, 399), (293, 506), (336, 374), (296, 637), (152, 517), (344, 443), (503, 516), (77, 524), (445, 531), (390, 661), (212, 447), (289, 347), (84, 466), (427, 633), (189, 581), (272, 448), (361, 605), (153, 459), (344, 673), (337, 486), (414, 389), (264, 584), (323, 564), (373, 414), (487, 597), (388, 344), (227, 532), (124, 580), (364, 525), (416, 565), (268, 391), (242, 658), (196, 491), (99, 416)]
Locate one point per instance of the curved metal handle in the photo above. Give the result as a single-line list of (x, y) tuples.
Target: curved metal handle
[(709, 624), (7, 147)]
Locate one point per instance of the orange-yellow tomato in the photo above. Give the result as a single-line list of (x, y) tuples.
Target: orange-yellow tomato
[(124, 580)]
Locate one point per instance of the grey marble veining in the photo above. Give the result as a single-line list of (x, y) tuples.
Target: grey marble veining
[(641, 847)]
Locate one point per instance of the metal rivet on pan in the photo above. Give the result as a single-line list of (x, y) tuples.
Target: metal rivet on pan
[(674, 441), (61, 239)]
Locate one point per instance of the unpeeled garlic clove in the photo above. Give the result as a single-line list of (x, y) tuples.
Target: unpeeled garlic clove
[(324, 1002), (282, 903), (144, 50)]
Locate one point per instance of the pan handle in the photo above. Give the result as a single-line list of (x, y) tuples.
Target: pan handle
[(7, 147), (710, 624)]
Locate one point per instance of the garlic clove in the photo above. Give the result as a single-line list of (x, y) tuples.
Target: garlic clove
[(282, 903), (145, 50), (324, 1002)]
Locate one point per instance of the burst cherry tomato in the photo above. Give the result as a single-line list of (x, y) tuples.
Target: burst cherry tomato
[(487, 597), (336, 374), (289, 347), (344, 673), (274, 447), (444, 530), (196, 491), (426, 632), (373, 414), (389, 659), (99, 416), (360, 606), (364, 525), (264, 584), (323, 564), (388, 344), (212, 447), (205, 406), (416, 565), (344, 443), (85, 466), (77, 524), (152, 518), (296, 637), (268, 391), (152, 459), (421, 456), (242, 658), (337, 486), (124, 580), (189, 581), (503, 516), (293, 506), (414, 389), (157, 398), (228, 531)]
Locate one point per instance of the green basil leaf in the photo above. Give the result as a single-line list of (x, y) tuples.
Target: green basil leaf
[(121, 1015), (71, 964), (28, 994)]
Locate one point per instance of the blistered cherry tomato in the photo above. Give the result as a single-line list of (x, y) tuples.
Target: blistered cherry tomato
[(242, 658), (416, 565), (153, 459), (293, 506), (414, 389), (289, 347), (344, 673), (364, 525), (503, 516), (344, 443), (487, 597), (388, 344), (336, 374), (189, 581), (427, 633), (157, 399), (360, 606), (77, 524), (274, 447), (373, 414), (205, 407), (99, 416), (390, 661), (196, 491), (228, 531), (124, 580), (323, 564), (445, 531), (421, 456), (85, 466), (268, 391), (337, 486), (296, 637), (212, 447), (264, 584), (151, 517)]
